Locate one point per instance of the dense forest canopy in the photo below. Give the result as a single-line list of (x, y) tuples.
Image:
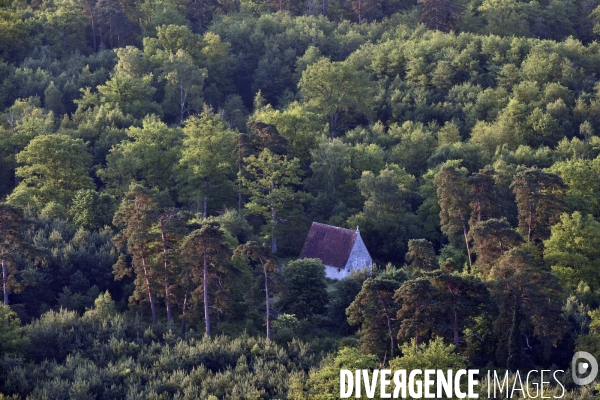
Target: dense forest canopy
[(161, 162)]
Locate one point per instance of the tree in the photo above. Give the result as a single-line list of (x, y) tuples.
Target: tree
[(515, 341), (207, 159), (13, 244), (439, 303), (338, 92), (151, 158), (539, 201), (419, 310), (13, 340), (374, 309), (169, 225), (92, 210), (453, 198), (518, 277), (366, 9), (26, 120), (582, 178), (573, 250), (131, 94), (324, 383), (135, 216), (263, 256), (386, 212), (104, 306), (295, 123), (417, 144), (65, 26), (206, 250), (484, 203), (343, 294), (432, 355), (491, 240), (54, 167), (305, 288), (439, 15), (420, 255), (465, 296), (269, 180), (184, 84), (265, 136)]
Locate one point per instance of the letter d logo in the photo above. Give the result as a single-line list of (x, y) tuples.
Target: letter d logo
[(580, 368)]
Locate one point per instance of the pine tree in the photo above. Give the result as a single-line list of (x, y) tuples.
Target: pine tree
[(265, 258), (420, 255), (454, 202), (438, 15), (136, 215), (13, 244), (206, 250), (491, 240), (374, 309), (170, 227), (269, 179), (483, 199), (515, 341), (539, 201)]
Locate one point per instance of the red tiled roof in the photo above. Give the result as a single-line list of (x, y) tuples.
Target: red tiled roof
[(329, 243)]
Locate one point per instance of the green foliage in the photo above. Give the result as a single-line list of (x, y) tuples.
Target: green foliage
[(92, 210), (434, 354), (54, 167), (207, 161), (13, 340), (572, 250), (98, 358), (374, 310), (337, 92), (269, 179), (104, 306), (305, 288), (150, 158), (324, 383), (463, 150), (540, 202)]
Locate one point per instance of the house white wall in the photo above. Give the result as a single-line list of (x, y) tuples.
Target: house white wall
[(335, 273), (359, 256)]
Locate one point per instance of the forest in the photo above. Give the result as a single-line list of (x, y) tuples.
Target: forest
[(161, 163)]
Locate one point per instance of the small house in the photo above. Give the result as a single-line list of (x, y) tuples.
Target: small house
[(341, 250)]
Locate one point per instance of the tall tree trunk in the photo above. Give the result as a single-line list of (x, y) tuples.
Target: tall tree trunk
[(150, 294), (267, 302), (15, 151), (184, 311), (205, 212), (529, 222), (167, 282), (239, 189), (389, 321), (273, 222), (93, 31), (324, 8), (456, 329), (466, 235), (182, 97), (4, 279), (205, 290)]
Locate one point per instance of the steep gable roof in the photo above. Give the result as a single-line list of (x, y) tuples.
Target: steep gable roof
[(329, 243)]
